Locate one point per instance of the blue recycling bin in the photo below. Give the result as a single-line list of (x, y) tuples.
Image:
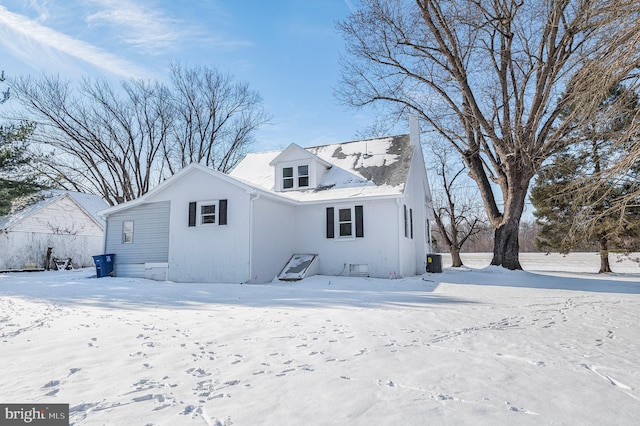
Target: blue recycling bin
[(104, 265)]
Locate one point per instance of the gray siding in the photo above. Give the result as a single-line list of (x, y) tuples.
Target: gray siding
[(150, 234)]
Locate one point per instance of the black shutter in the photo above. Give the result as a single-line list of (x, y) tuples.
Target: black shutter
[(411, 221), (359, 222), (406, 225), (330, 226), (192, 214), (222, 215)]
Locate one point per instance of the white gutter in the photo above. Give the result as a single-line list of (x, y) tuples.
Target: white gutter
[(400, 234), (253, 195)]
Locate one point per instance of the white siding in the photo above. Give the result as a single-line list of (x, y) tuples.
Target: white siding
[(213, 253), (274, 238), (378, 248), (418, 198)]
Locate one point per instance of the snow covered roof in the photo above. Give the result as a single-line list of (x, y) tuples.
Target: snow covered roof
[(294, 147), (366, 168), (149, 196), (89, 202)]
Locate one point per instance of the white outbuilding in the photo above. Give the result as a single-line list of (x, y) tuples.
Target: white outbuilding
[(65, 222), (355, 208)]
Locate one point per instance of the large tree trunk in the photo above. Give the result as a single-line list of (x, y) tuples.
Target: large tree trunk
[(506, 247), (604, 256), (456, 262)]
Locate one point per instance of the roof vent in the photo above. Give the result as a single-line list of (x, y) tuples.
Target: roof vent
[(366, 152)]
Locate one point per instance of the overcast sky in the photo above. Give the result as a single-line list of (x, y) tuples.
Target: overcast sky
[(288, 50)]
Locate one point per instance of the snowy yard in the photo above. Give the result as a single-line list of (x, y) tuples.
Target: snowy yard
[(474, 346)]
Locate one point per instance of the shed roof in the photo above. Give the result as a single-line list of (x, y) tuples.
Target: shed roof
[(90, 203)]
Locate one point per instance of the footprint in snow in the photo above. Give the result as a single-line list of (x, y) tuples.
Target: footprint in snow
[(198, 372)]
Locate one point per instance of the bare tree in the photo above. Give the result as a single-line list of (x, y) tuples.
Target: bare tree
[(458, 213), (491, 77), (215, 118), (103, 142), (119, 142)]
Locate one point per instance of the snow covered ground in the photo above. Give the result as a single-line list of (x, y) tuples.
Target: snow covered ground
[(480, 345)]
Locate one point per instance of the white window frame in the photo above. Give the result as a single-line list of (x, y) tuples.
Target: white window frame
[(295, 176), (200, 215), (303, 176), (291, 179), (334, 224), (127, 234), (351, 222)]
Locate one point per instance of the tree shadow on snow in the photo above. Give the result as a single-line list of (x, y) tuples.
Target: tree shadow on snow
[(576, 281), (79, 288)]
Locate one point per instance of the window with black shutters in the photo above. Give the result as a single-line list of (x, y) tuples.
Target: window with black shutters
[(207, 213), (345, 222)]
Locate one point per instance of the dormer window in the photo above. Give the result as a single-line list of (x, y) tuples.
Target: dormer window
[(303, 175), (295, 168), (295, 177), (287, 177)]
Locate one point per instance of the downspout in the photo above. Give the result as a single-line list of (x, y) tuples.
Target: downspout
[(253, 195), (104, 234)]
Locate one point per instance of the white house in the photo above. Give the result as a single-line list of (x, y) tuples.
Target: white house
[(66, 221), (359, 207)]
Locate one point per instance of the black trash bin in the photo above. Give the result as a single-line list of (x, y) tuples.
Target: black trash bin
[(104, 265), (434, 262)]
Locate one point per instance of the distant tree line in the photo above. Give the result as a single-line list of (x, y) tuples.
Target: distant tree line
[(482, 240)]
